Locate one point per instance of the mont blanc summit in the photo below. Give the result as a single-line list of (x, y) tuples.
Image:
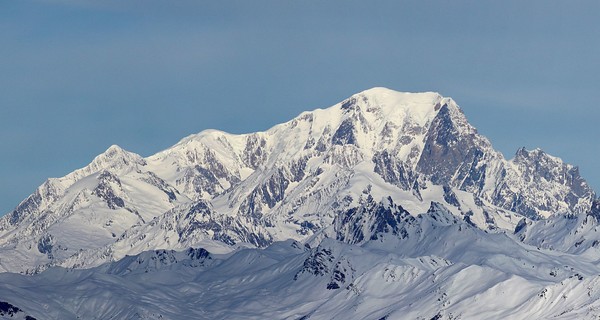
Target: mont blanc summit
[(387, 205)]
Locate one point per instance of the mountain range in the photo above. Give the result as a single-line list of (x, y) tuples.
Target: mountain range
[(387, 205)]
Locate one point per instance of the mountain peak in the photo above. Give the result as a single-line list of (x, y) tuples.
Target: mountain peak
[(535, 155), (114, 149), (389, 100), (114, 158), (118, 154), (113, 152), (381, 92), (412, 108)]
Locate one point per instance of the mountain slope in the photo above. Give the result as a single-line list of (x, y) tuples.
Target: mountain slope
[(439, 267)]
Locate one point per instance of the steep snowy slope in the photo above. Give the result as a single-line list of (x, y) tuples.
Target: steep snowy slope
[(293, 181), (566, 233)]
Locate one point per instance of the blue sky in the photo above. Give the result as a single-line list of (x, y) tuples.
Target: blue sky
[(77, 76)]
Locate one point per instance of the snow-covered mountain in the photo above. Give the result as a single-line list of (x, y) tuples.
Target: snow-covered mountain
[(293, 181), (385, 196)]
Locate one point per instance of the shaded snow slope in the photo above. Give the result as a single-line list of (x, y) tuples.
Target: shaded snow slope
[(437, 267)]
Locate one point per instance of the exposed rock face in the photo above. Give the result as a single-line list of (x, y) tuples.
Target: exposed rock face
[(394, 171), (108, 187), (370, 220), (447, 150), (595, 210)]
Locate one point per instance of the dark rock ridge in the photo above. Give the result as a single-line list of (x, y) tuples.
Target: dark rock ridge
[(8, 310)]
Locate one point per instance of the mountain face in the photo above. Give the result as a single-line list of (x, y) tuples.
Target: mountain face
[(297, 180)]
